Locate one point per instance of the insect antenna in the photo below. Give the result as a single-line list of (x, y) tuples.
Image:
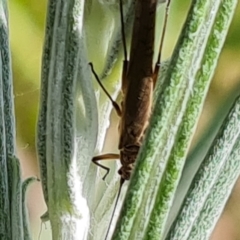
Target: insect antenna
[(123, 30), (125, 61), (158, 63), (124, 73), (115, 205)]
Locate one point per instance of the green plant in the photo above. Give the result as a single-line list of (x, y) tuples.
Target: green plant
[(72, 123)]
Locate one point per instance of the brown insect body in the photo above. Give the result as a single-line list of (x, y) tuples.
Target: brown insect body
[(138, 82), (137, 86)]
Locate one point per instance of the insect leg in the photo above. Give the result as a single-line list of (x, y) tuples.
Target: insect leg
[(115, 105), (108, 156), (158, 63)]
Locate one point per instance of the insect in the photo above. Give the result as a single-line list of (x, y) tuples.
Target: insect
[(138, 82)]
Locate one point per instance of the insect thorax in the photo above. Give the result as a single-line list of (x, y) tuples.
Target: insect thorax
[(128, 157)]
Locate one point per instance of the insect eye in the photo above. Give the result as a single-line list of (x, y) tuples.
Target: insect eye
[(132, 148), (120, 171)]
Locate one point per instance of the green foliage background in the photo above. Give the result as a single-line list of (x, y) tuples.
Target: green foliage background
[(27, 18)]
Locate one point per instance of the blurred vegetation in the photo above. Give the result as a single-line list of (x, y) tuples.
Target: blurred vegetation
[(27, 18)]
